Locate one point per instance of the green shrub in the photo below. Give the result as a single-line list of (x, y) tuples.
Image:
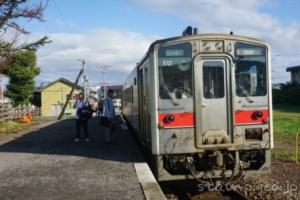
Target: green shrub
[(7, 127), (288, 94)]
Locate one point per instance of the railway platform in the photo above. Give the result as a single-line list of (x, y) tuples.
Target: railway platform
[(45, 163)]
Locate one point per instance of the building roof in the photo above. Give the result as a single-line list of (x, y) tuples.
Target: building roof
[(63, 80), (292, 69)]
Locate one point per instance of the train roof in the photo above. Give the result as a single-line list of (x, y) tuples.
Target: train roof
[(208, 36), (293, 69)]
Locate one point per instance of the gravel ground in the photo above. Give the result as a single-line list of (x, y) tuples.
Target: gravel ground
[(282, 184), (46, 164)]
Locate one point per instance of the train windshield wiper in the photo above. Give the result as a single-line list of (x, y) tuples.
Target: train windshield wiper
[(246, 93), (171, 95)]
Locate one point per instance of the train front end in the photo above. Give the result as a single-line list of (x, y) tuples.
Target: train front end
[(213, 107)]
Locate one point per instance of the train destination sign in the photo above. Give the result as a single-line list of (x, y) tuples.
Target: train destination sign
[(174, 52)]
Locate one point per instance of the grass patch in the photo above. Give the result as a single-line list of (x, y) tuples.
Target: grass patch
[(9, 127), (286, 120), (285, 155), (286, 126)]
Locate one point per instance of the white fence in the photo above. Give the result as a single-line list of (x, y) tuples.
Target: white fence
[(17, 112)]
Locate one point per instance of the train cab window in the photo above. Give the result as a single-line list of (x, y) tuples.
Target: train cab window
[(175, 71), (250, 70), (213, 79)]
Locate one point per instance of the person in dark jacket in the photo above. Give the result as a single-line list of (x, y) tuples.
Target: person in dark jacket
[(100, 108), (81, 121)]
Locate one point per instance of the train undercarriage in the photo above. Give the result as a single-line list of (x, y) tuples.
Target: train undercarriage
[(218, 166)]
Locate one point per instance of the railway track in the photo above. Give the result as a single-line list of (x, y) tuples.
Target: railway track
[(191, 191), (232, 195)]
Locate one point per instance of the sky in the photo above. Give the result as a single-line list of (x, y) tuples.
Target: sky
[(117, 33)]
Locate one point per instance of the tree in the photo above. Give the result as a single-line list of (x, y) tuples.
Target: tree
[(288, 94), (11, 11), (21, 71)]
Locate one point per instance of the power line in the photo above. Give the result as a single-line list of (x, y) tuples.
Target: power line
[(58, 9)]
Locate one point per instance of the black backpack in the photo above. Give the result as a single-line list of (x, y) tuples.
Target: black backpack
[(85, 112)]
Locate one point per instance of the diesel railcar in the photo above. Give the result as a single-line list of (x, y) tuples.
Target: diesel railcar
[(201, 105)]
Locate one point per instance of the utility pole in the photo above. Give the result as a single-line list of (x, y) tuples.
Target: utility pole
[(103, 68), (70, 95), (86, 86), (84, 78)]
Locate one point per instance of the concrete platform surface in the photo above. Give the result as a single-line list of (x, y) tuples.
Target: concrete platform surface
[(47, 164), (149, 184)]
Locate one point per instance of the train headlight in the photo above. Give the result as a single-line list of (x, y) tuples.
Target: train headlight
[(219, 45), (170, 118), (206, 46), (257, 114)]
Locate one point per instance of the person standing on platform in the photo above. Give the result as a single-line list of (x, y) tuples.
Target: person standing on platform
[(109, 114), (81, 118)]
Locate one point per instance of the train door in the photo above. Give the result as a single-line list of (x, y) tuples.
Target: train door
[(147, 106), (143, 81), (211, 101)]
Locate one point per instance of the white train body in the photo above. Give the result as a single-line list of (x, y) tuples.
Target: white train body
[(201, 105)]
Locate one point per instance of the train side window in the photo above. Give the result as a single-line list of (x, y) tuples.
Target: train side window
[(175, 71), (132, 94), (213, 79)]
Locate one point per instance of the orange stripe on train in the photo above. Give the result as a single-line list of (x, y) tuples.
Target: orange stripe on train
[(172, 120), (175, 120), (251, 116)]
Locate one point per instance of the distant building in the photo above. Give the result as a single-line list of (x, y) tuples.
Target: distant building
[(276, 86), (295, 74), (117, 89), (51, 98)]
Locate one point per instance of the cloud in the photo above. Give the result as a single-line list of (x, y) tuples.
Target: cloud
[(122, 49), (242, 17), (111, 47)]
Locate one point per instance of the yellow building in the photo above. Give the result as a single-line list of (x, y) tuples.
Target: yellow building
[(53, 96)]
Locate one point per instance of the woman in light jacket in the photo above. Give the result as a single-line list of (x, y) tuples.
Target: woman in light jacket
[(109, 113)]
